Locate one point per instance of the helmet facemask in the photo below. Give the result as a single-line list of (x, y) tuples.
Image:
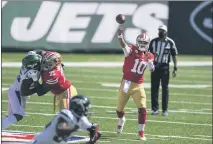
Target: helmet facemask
[(47, 65), (32, 66), (142, 42), (49, 62)]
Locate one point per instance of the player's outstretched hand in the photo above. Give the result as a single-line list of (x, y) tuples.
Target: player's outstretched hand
[(94, 134), (120, 30)]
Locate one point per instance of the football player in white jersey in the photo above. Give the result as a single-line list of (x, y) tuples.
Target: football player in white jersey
[(21, 88), (67, 122)]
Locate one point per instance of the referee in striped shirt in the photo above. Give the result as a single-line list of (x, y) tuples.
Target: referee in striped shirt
[(162, 47)]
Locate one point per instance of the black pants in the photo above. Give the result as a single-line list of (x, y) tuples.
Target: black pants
[(157, 76)]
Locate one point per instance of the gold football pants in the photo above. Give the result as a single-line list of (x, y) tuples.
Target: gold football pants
[(135, 90), (61, 101)]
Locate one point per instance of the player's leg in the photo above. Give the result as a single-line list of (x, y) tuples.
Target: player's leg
[(9, 109), (165, 92), (155, 83), (16, 113), (123, 98), (62, 100), (10, 119), (139, 98), (42, 138), (66, 96), (73, 91)]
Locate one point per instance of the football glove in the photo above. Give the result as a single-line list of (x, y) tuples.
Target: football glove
[(33, 74), (94, 134)]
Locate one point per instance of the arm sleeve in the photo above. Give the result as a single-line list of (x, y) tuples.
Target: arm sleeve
[(127, 50), (41, 89), (84, 124), (25, 88), (173, 49)]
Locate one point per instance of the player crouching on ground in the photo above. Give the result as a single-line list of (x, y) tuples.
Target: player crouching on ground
[(137, 58), (67, 122), (54, 80)]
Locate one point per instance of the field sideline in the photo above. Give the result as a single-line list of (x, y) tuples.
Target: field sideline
[(190, 107)]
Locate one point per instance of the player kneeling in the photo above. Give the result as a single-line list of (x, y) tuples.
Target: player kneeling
[(67, 122)]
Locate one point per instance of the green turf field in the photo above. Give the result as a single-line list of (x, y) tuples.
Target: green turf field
[(190, 109)]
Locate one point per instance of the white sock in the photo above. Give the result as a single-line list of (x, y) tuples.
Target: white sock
[(120, 120), (141, 127), (6, 122)]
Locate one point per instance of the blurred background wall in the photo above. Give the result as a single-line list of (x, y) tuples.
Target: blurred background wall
[(91, 26)]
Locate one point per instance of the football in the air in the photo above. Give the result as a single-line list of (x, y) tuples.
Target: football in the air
[(120, 18)]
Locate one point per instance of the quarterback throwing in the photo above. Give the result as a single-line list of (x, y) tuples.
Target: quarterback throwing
[(137, 59)]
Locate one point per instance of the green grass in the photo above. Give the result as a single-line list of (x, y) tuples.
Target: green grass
[(180, 127), (7, 57)]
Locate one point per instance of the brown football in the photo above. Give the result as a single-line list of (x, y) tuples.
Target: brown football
[(120, 18)]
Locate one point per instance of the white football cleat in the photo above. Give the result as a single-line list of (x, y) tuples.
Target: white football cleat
[(165, 113), (155, 112), (120, 124), (141, 136)]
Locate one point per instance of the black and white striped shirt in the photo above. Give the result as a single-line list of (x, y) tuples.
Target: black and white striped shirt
[(162, 49)]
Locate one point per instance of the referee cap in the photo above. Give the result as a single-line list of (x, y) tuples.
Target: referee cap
[(163, 27)]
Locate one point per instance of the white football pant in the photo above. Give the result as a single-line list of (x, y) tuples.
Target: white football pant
[(16, 108)]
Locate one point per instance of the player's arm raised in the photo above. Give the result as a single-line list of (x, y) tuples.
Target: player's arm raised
[(126, 49)]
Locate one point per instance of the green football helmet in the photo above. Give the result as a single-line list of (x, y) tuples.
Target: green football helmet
[(32, 61)]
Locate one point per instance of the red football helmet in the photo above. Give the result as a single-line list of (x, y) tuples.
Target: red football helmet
[(142, 42), (50, 60)]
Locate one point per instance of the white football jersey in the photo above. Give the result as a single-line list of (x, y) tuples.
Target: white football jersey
[(22, 76), (49, 134)]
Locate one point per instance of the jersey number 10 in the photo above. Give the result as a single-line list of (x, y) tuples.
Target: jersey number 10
[(139, 67)]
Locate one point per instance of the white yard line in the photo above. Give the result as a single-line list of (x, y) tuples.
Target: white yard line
[(110, 64), (148, 85), (171, 111), (163, 136), (114, 118), (112, 107), (116, 90), (207, 109), (187, 81), (203, 136), (117, 71), (112, 77), (156, 121), (106, 74), (177, 102)]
